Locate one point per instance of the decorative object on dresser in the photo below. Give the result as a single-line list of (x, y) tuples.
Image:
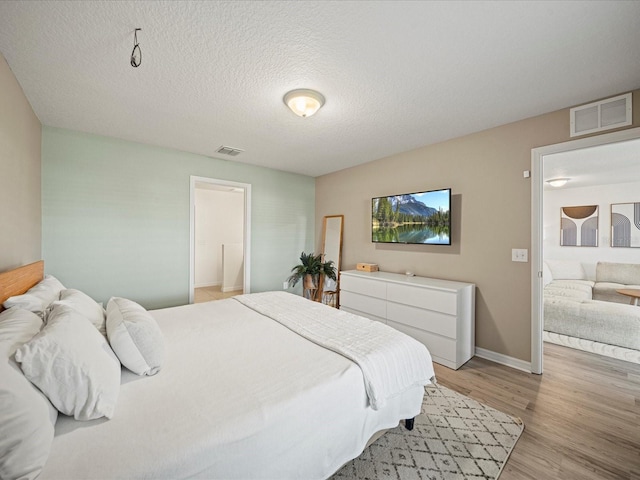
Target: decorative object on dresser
[(367, 267), (438, 313)]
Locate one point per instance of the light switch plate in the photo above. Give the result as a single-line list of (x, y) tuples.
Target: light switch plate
[(519, 255)]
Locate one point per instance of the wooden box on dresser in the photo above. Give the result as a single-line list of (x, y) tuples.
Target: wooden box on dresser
[(438, 313)]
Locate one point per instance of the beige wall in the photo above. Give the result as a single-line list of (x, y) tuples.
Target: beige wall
[(20, 209), (491, 214)]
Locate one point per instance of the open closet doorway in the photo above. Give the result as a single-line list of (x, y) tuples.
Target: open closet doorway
[(542, 172), (220, 219)]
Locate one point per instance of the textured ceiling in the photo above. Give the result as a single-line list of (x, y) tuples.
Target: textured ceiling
[(396, 75)]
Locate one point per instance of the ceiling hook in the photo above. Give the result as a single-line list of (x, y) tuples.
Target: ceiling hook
[(136, 53)]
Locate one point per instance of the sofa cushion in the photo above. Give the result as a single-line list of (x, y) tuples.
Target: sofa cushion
[(611, 323), (568, 290), (577, 284), (557, 309), (603, 322), (606, 291), (624, 273)]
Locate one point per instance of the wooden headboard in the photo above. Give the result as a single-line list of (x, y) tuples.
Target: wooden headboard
[(19, 280)]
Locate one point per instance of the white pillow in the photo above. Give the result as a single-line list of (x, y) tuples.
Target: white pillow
[(38, 297), (27, 418), (73, 365), (566, 270), (84, 305), (31, 303), (135, 336)]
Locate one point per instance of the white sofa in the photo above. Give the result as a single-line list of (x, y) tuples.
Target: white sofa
[(592, 310), (615, 276)]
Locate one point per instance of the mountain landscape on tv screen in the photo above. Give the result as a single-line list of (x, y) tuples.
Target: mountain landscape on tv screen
[(411, 206), (405, 219)]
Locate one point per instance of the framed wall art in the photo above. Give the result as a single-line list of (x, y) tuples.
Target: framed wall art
[(579, 226), (625, 224)]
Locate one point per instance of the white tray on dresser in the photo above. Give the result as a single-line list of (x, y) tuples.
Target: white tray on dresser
[(438, 313)]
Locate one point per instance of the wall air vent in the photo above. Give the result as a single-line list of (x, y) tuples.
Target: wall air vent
[(606, 114), (229, 151)]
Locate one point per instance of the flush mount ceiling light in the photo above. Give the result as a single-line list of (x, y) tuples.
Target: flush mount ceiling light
[(557, 182), (304, 102)]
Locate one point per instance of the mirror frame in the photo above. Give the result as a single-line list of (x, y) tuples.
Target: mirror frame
[(338, 262)]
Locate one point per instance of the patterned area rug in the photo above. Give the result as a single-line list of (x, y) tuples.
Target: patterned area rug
[(454, 437)]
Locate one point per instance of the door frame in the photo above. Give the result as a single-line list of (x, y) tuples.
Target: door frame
[(246, 240), (537, 257)]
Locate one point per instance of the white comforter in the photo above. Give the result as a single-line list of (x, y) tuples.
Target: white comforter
[(391, 361), (240, 396)]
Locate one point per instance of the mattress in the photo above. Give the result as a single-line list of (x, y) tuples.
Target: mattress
[(240, 396)]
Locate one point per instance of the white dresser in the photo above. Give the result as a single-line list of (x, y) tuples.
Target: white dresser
[(438, 313)]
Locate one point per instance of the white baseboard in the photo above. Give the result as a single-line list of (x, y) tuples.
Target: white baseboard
[(207, 284), (231, 289), (503, 359)]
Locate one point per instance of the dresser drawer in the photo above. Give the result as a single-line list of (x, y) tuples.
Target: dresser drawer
[(362, 314), (431, 299), (436, 322), (439, 347), (363, 303), (366, 286)]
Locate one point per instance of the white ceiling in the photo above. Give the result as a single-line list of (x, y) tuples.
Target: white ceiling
[(396, 75), (601, 165)]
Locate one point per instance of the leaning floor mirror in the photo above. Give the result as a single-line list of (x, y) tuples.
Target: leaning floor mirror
[(332, 250)]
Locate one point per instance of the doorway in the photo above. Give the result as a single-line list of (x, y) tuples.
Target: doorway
[(537, 227), (220, 222)]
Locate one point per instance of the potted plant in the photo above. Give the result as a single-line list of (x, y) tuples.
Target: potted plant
[(311, 271)]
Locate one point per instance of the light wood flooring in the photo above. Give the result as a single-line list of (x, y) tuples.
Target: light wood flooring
[(206, 294), (582, 416)]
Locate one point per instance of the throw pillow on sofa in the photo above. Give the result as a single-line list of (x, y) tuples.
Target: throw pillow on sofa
[(566, 270)]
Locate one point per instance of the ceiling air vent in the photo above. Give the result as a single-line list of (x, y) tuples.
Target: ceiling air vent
[(229, 151), (606, 114)]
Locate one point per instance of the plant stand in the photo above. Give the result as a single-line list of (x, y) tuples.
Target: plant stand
[(329, 297)]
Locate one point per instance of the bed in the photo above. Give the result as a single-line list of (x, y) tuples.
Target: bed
[(242, 395)]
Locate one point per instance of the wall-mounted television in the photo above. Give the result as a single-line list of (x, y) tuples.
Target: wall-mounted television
[(421, 218)]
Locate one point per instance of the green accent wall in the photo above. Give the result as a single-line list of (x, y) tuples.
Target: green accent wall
[(115, 217)]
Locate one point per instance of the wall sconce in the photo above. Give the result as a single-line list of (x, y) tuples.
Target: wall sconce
[(557, 182), (304, 102)]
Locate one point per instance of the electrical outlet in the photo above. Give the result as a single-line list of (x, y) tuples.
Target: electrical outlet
[(519, 255), (285, 285)]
